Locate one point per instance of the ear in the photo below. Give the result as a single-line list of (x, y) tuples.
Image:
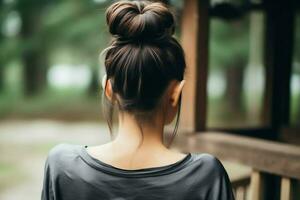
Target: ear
[(176, 92), (103, 82), (106, 85)]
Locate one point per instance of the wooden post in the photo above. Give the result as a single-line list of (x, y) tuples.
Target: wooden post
[(290, 189), (286, 189), (194, 38), (278, 61), (256, 186)]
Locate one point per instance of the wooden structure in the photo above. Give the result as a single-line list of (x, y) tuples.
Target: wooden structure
[(279, 29), (195, 44), (276, 166), (266, 158)]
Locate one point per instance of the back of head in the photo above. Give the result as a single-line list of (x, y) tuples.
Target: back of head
[(143, 56), (140, 20)]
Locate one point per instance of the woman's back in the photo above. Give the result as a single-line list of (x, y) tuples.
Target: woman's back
[(144, 67), (71, 173)]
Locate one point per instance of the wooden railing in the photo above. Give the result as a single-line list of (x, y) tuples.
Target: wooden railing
[(270, 162), (241, 187)]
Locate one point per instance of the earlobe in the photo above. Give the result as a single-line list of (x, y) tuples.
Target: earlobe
[(177, 92)]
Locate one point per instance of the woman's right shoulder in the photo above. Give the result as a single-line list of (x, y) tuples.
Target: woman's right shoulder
[(61, 153)]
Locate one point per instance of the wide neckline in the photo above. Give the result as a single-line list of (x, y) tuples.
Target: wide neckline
[(144, 172)]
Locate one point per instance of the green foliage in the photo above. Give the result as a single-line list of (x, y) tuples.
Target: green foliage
[(57, 24), (69, 104), (229, 42)]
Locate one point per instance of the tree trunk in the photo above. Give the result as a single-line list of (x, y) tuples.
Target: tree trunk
[(34, 56), (1, 76), (94, 87), (234, 87), (1, 62), (35, 71)]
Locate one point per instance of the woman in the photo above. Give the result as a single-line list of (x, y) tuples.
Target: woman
[(144, 78)]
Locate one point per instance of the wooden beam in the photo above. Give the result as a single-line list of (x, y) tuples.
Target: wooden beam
[(194, 39), (256, 132), (265, 156)]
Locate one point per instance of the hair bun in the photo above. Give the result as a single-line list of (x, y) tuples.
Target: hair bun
[(140, 20)]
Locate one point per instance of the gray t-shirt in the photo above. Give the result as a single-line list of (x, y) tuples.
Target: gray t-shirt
[(72, 174)]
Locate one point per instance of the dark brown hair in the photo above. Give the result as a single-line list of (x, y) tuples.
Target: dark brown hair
[(142, 58)]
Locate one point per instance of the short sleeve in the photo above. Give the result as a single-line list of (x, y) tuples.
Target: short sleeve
[(223, 188), (54, 170), (47, 193), (220, 185)]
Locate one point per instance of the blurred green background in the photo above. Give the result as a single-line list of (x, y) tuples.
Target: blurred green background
[(50, 65), (50, 58), (50, 73)]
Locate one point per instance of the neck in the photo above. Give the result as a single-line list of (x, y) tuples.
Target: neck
[(129, 135)]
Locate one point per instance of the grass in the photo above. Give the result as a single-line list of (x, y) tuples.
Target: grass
[(77, 104), (12, 170), (68, 104), (10, 174), (42, 149)]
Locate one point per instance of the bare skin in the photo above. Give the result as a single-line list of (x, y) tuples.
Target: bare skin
[(124, 151)]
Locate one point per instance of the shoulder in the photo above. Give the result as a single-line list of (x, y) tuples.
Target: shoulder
[(62, 154), (212, 177), (61, 164), (61, 150), (210, 164), (206, 158)]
